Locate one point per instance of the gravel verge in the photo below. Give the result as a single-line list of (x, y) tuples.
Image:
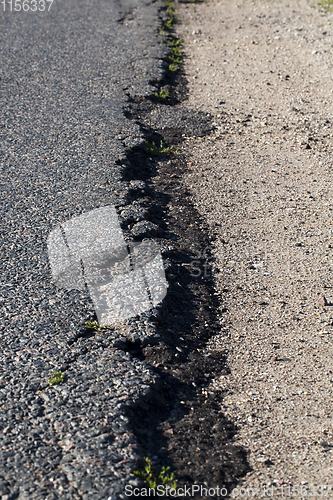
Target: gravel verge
[(263, 182)]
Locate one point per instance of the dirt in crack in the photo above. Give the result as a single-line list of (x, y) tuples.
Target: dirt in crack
[(180, 422)]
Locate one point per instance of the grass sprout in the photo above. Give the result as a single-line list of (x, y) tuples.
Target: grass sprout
[(161, 94), (326, 5), (57, 377), (94, 325), (153, 478), (154, 149)]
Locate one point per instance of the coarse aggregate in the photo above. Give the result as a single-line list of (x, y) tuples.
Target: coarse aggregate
[(66, 74), (263, 182)]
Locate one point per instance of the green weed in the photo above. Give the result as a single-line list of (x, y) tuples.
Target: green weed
[(326, 5), (173, 67), (168, 25), (171, 9), (170, 5), (153, 478), (154, 149), (174, 58), (57, 377), (94, 325), (176, 52), (176, 42), (161, 94)]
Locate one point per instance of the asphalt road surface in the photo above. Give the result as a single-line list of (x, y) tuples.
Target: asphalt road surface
[(66, 70)]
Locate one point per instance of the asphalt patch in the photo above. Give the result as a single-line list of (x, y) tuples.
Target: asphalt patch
[(180, 423)]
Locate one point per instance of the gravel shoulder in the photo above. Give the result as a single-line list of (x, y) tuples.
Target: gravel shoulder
[(263, 182)]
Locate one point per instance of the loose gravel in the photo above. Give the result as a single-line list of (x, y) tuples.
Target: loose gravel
[(263, 182)]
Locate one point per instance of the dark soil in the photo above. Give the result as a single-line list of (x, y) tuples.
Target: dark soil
[(181, 423)]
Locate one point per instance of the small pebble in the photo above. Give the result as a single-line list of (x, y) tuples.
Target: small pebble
[(322, 301)]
